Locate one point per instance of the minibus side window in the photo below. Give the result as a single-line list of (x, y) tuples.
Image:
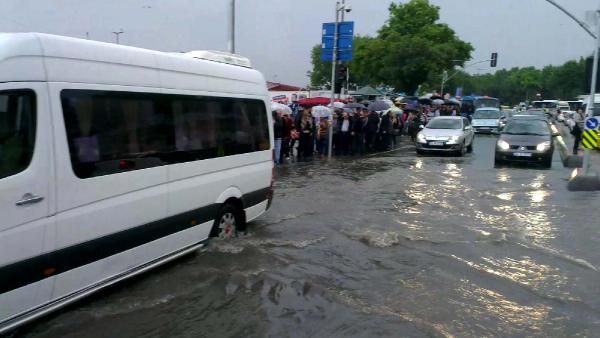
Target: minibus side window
[(113, 132), (211, 127), (17, 131), (259, 121)]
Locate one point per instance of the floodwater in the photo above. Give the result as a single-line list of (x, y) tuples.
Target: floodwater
[(388, 245)]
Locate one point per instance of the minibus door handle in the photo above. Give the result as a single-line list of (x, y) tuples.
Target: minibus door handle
[(29, 199)]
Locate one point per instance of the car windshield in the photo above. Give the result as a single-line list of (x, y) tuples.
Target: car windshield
[(527, 127), (444, 124), (484, 103), (487, 114), (536, 113)]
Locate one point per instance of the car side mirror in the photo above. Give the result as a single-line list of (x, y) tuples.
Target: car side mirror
[(421, 127)]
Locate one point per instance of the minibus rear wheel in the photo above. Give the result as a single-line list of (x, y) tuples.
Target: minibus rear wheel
[(229, 222)]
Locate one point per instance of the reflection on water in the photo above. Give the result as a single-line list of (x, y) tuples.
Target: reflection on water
[(453, 170), (419, 164), (538, 181), (538, 196), (513, 317), (503, 176), (507, 196)]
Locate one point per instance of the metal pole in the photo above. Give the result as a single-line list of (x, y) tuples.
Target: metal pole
[(342, 20), (333, 64), (117, 34), (347, 81), (231, 42), (444, 77), (592, 100), (581, 23)]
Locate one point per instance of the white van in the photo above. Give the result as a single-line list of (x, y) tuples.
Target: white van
[(115, 159)]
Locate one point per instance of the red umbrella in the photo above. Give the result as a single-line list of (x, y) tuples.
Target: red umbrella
[(316, 101)]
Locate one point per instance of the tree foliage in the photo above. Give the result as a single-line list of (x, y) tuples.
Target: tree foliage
[(522, 84), (410, 47)]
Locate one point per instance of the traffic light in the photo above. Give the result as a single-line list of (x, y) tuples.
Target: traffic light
[(494, 60), (340, 78)]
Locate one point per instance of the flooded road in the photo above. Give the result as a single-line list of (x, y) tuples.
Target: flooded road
[(388, 245)]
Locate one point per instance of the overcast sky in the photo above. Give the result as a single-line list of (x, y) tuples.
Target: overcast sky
[(278, 34)]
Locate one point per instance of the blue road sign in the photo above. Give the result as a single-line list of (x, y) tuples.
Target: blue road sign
[(344, 28), (345, 41), (343, 55), (592, 123)]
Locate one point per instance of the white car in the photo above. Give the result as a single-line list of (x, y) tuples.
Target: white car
[(453, 134), (488, 120)]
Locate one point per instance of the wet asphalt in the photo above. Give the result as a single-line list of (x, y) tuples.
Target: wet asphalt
[(388, 245)]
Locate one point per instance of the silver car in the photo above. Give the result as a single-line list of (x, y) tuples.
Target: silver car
[(452, 134)]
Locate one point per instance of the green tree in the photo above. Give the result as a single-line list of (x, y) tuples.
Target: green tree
[(361, 67), (320, 74), (417, 46), (520, 84), (409, 49)]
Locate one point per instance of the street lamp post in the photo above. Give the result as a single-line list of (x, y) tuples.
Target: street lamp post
[(117, 34), (338, 8), (590, 107), (585, 181), (231, 42), (446, 78)]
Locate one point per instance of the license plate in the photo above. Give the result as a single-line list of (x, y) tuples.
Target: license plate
[(522, 154), (436, 143), (483, 128)]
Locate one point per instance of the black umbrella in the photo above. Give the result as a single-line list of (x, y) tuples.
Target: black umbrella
[(378, 106), (425, 100), (436, 97), (354, 105)]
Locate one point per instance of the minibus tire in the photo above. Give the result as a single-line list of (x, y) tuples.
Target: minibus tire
[(228, 223)]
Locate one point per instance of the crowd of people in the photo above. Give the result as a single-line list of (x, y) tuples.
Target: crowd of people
[(357, 129)]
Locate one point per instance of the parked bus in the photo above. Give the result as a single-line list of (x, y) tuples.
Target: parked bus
[(546, 105), (471, 103), (114, 160)]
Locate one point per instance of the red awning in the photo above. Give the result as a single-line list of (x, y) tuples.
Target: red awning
[(317, 101)]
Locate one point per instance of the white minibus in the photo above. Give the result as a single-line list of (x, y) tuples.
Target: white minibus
[(114, 160)]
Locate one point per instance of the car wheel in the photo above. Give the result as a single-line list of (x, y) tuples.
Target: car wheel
[(420, 152), (463, 149), (470, 147), (228, 223)]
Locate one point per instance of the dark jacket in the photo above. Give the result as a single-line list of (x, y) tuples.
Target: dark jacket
[(288, 125), (358, 127), (386, 124), (340, 121), (277, 127), (372, 123)]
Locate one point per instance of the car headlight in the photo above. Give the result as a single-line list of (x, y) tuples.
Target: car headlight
[(543, 146), (503, 145), (421, 138), (454, 139)]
